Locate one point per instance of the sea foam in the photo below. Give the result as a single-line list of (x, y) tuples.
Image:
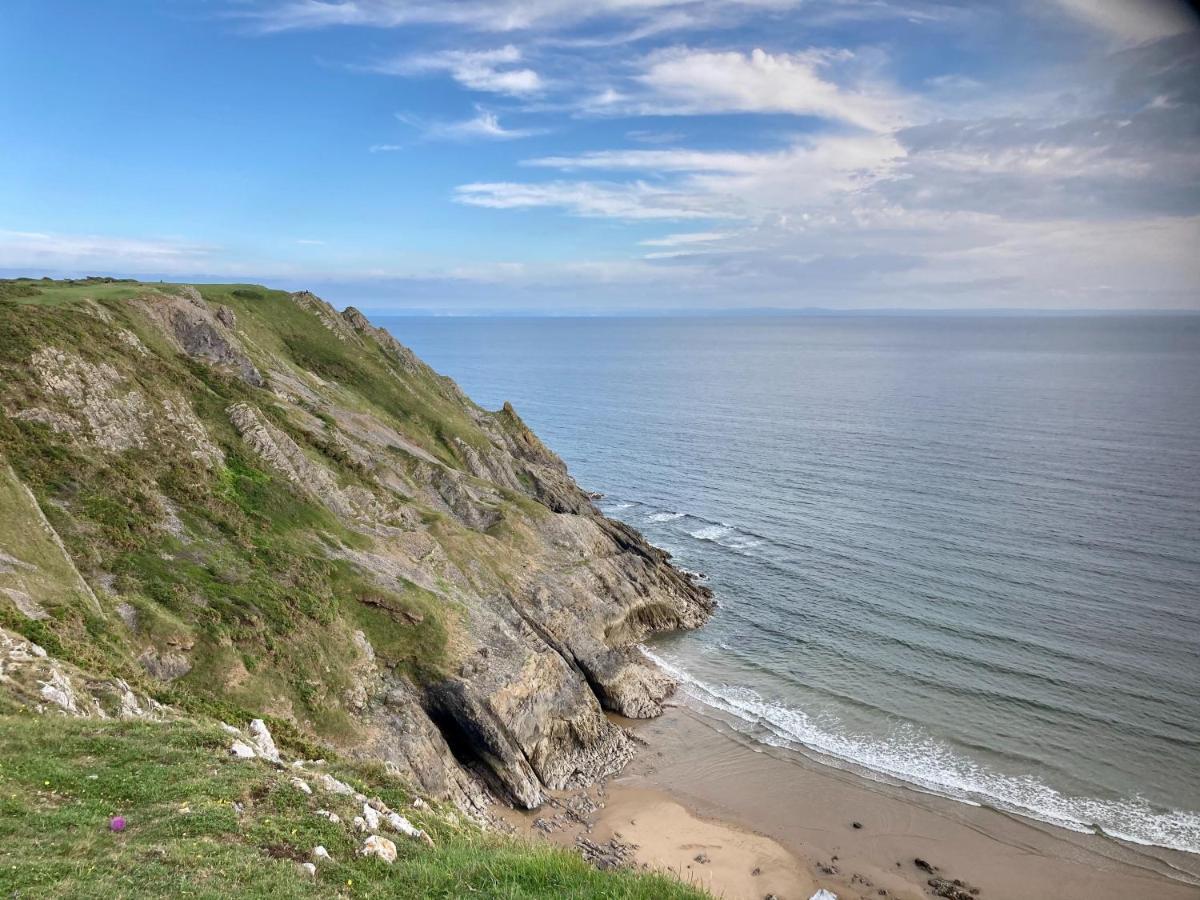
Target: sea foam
[(917, 760)]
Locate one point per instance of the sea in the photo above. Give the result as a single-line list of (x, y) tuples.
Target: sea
[(959, 552)]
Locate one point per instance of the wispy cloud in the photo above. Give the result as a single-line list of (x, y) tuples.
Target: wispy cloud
[(651, 16), (685, 81), (491, 71), (686, 239), (1134, 22), (38, 251), (484, 125), (633, 201)]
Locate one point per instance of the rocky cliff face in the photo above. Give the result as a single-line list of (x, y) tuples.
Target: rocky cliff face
[(275, 505)]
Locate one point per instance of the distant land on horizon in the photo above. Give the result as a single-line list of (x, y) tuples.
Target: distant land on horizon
[(636, 313)]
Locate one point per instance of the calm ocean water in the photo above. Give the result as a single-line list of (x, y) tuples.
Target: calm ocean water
[(959, 552)]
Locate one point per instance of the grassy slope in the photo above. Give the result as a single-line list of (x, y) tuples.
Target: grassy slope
[(251, 587), (62, 779)]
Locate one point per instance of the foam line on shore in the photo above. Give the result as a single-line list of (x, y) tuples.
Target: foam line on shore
[(924, 763)]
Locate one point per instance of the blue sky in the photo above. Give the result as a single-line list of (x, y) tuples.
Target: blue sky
[(552, 155)]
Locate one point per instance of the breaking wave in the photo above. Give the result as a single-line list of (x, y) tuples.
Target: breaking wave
[(918, 760)]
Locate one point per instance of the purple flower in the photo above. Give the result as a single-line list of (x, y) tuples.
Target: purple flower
[(117, 823)]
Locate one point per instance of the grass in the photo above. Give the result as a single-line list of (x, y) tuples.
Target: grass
[(61, 780), (43, 292)]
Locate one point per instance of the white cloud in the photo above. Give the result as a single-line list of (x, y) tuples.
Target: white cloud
[(686, 239), (649, 136), (505, 15), (633, 201), (813, 171), (686, 81), (37, 251), (483, 125), (491, 71), (1134, 21)]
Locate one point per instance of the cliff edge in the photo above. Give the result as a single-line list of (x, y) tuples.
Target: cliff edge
[(230, 498)]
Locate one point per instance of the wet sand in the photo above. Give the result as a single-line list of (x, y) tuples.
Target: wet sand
[(698, 789)]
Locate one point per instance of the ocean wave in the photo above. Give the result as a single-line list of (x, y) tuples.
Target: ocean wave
[(695, 526), (907, 756), (711, 532), (664, 517)]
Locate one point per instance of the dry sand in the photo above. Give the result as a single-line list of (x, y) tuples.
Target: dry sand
[(699, 789)]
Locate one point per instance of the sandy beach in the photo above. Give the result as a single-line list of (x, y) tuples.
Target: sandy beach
[(747, 822)]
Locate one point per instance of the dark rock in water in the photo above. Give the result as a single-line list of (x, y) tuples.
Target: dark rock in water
[(701, 858), (923, 865), (856, 825), (756, 871)]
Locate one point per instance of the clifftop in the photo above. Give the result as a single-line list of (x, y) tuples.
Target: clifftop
[(240, 501)]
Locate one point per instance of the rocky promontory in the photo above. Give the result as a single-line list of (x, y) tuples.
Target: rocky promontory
[(226, 497)]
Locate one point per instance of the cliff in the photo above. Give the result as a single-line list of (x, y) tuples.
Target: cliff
[(241, 502)]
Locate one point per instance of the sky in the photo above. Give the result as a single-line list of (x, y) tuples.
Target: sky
[(563, 156)]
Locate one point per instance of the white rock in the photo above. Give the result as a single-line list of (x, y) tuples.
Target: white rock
[(320, 854), (823, 895), (371, 817), (300, 785), (379, 846), (331, 784), (59, 691), (225, 726), (262, 739), (309, 869), (398, 823), (418, 803), (331, 816), (241, 751), (360, 824)]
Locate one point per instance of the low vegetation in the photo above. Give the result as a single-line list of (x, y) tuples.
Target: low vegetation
[(199, 823)]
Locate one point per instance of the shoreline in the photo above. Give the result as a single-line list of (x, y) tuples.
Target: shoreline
[(704, 802)]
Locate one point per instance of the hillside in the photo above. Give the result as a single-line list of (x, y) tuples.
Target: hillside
[(224, 502)]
